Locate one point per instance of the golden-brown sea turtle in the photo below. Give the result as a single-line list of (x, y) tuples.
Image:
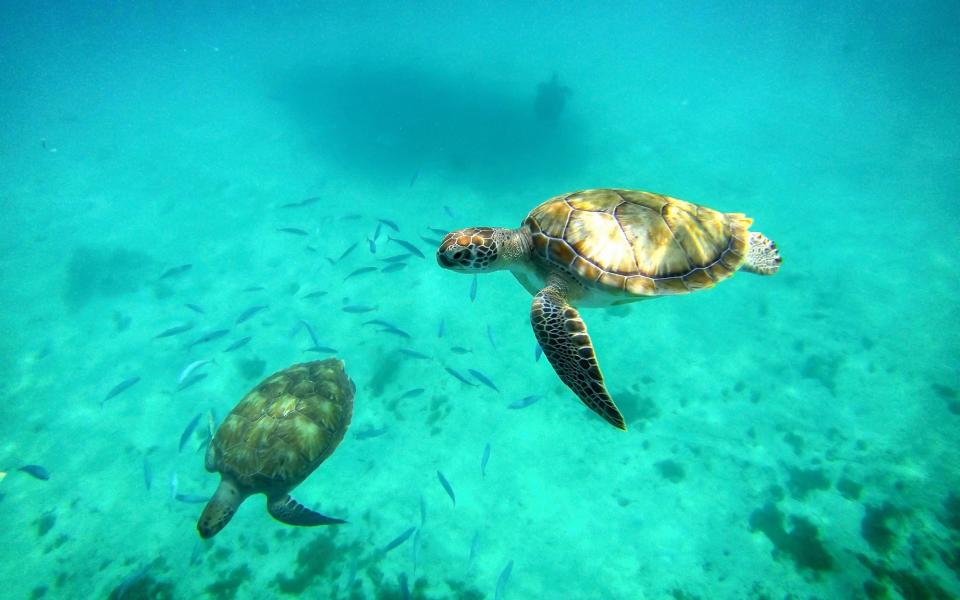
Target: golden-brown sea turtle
[(606, 247), (274, 438)]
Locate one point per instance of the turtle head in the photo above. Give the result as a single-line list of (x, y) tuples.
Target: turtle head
[(474, 249)]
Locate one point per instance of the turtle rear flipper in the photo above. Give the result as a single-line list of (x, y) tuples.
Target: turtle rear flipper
[(287, 510), (763, 257), (563, 336)]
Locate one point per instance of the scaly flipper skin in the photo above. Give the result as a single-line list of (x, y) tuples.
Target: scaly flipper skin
[(763, 257), (287, 510), (563, 336)]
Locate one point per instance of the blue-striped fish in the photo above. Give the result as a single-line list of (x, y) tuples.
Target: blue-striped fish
[(195, 308), (473, 288), (537, 353), (311, 333), (414, 353), (447, 487), (147, 473), (317, 294)]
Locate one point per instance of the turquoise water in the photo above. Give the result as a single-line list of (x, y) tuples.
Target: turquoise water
[(789, 437)]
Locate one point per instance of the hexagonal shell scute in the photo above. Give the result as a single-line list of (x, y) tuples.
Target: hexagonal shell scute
[(285, 426)]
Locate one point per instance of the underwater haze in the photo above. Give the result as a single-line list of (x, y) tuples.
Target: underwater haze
[(263, 184)]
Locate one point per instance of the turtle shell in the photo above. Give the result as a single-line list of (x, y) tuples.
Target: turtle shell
[(638, 243), (286, 426)]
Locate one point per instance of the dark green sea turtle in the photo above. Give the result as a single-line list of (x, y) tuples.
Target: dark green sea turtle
[(606, 247), (274, 438)]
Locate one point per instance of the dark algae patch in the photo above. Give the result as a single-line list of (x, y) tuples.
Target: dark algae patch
[(803, 481), (911, 586), (849, 489), (316, 559), (226, 587), (875, 527), (801, 544), (670, 470)]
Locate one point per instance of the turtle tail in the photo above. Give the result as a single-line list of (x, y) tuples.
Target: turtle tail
[(220, 509)]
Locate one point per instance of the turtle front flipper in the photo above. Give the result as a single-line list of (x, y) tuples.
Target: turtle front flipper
[(563, 336), (287, 510)]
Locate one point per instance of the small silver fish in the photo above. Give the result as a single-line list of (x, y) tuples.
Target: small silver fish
[(411, 393), (191, 426), (414, 353), (195, 308), (176, 329), (440, 329), (358, 308), (394, 267), (462, 379), (120, 388), (502, 581), (292, 230), (430, 241), (370, 432), (317, 294), (460, 350), (447, 487), (360, 271), (537, 353), (389, 224), (396, 331), (399, 539), (321, 350), (484, 459), (239, 343), (473, 288), (192, 498), (349, 249), (474, 547), (36, 471), (483, 379), (209, 337), (189, 381), (376, 232), (174, 271), (373, 246), (524, 402), (311, 332), (187, 370), (490, 337), (407, 245), (250, 312), (396, 258), (147, 473)]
